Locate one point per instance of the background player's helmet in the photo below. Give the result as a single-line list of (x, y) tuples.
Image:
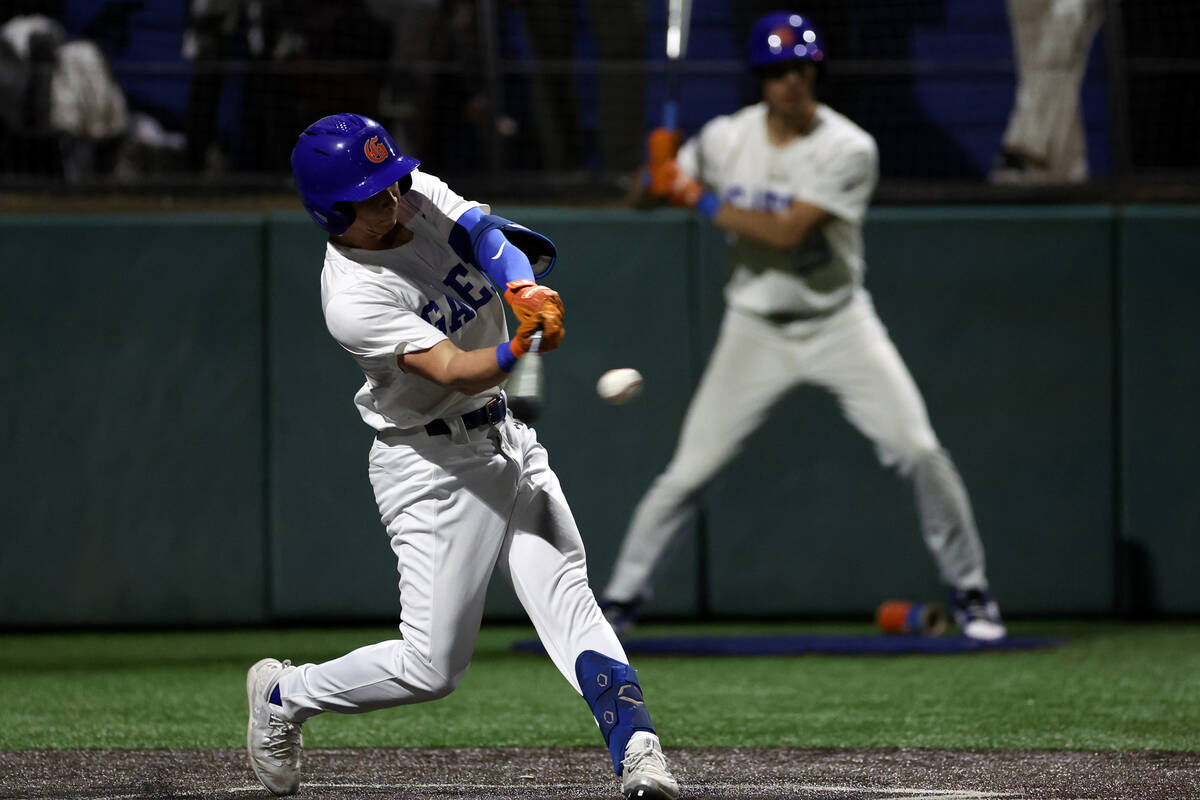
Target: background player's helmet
[(343, 158), (784, 36)]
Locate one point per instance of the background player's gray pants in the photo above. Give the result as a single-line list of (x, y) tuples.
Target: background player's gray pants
[(753, 365)]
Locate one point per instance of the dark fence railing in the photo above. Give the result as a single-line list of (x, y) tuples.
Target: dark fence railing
[(498, 116)]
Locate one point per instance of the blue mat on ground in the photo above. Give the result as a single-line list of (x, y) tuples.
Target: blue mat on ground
[(804, 644)]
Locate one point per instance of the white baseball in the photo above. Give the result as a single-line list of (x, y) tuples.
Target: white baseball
[(619, 386)]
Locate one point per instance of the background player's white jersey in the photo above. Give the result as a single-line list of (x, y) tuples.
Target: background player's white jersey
[(833, 166), (381, 303)]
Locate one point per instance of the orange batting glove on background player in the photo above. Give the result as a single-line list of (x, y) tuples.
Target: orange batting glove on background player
[(687, 191), (661, 147), (535, 307)]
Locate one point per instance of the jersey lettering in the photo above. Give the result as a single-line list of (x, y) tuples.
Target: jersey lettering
[(460, 313), (427, 314), (464, 288), (757, 200), (462, 302)]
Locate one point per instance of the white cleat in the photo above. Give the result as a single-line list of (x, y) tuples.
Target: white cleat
[(273, 743), (977, 614), (984, 630), (644, 773)]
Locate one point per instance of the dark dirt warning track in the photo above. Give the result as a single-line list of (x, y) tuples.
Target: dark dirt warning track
[(726, 774)]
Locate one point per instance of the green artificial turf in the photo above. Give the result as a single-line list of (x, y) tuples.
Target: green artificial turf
[(1115, 686)]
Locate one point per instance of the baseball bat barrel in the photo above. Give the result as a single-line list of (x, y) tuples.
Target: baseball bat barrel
[(527, 379)]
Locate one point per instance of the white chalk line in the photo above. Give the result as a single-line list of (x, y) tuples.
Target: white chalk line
[(868, 793)]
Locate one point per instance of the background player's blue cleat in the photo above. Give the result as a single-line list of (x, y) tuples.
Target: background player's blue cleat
[(273, 743), (977, 614)]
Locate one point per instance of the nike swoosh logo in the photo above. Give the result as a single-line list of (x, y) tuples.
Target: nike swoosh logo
[(501, 250)]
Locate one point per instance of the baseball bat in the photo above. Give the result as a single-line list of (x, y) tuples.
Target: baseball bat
[(664, 140), (679, 17), (527, 381)]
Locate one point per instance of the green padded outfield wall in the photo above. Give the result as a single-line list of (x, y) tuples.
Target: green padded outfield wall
[(1160, 389), (132, 445), (329, 553), (180, 446)]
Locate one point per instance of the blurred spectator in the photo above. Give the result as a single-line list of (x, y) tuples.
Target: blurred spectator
[(1044, 141), (63, 111), (216, 32), (551, 30), (448, 113), (571, 137), (406, 106), (618, 27), (254, 39)]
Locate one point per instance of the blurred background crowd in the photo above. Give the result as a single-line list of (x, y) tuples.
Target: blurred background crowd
[(551, 99)]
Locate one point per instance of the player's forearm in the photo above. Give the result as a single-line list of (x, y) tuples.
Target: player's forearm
[(472, 371), (767, 227), (466, 371)]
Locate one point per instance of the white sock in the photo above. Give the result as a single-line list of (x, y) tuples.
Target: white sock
[(640, 735)]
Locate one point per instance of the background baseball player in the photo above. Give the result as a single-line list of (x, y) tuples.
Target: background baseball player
[(411, 290), (790, 180)]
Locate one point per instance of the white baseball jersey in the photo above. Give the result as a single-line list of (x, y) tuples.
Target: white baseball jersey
[(833, 166), (382, 303)]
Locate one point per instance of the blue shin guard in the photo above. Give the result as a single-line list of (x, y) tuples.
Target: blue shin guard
[(612, 690)]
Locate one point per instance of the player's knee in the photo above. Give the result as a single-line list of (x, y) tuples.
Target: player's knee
[(437, 685), (443, 686), (432, 680), (678, 485), (908, 452)]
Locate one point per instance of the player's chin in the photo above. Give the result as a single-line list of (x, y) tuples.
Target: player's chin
[(383, 227)]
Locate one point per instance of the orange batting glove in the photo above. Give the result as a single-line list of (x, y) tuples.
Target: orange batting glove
[(661, 147), (687, 191), (681, 189), (539, 306)]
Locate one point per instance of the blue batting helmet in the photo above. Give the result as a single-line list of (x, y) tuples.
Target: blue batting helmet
[(344, 158), (784, 36)]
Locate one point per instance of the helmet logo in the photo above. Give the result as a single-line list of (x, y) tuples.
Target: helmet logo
[(375, 150), (783, 36)]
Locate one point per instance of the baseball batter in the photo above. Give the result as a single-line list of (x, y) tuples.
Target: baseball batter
[(411, 289), (790, 179)]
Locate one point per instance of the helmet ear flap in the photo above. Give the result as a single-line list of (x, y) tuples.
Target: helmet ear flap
[(336, 220), (343, 212)]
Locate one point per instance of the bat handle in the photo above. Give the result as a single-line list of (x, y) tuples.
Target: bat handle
[(670, 115), (535, 341)]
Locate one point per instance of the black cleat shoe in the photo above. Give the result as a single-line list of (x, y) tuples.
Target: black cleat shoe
[(621, 615)]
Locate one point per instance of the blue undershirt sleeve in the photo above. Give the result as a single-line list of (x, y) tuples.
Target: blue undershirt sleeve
[(492, 252)]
